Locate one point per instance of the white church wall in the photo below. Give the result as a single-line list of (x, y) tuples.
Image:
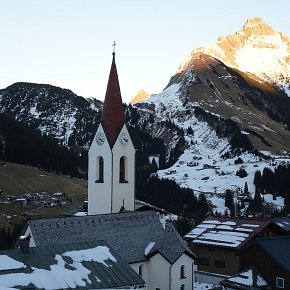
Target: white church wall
[(158, 273), (145, 272), (124, 192), (188, 278), (99, 194)]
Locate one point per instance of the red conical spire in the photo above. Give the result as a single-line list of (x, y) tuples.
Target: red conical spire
[(113, 117)]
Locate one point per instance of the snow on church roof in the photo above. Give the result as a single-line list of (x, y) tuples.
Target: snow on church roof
[(79, 266), (226, 231), (128, 233)]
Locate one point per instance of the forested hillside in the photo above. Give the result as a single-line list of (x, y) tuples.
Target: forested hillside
[(21, 144)]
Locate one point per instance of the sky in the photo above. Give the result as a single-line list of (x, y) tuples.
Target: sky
[(68, 43)]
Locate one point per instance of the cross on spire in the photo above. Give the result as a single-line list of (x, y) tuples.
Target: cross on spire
[(114, 47)]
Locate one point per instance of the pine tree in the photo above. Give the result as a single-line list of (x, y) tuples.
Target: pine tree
[(154, 166), (257, 180), (229, 199), (246, 190), (189, 131), (257, 204)]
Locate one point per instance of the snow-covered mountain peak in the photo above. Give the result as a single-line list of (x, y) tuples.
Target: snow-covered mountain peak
[(256, 49), (140, 96), (256, 26)]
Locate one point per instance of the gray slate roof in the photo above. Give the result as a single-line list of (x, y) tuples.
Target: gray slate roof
[(279, 249), (41, 264), (128, 233)]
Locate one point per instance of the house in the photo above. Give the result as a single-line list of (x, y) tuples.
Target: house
[(271, 257), (157, 253), (218, 242), (20, 202), (247, 279), (81, 265)]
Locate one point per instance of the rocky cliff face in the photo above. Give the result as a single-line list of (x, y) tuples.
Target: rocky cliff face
[(256, 49)]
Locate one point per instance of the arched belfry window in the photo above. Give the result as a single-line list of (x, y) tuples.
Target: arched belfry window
[(100, 170), (182, 287), (123, 170)]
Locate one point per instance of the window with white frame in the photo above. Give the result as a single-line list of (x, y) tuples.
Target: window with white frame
[(279, 282)]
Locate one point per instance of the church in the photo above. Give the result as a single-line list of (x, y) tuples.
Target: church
[(155, 251), (111, 180)]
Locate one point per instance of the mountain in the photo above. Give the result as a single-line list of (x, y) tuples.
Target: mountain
[(257, 50), (54, 111), (213, 112), (216, 79), (217, 117), (141, 95)]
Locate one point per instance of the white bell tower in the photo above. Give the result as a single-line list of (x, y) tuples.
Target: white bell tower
[(111, 177)]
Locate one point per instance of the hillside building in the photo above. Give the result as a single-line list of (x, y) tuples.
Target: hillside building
[(219, 241)]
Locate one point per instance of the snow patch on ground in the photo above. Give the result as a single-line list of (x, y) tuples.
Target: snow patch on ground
[(202, 169), (204, 286)]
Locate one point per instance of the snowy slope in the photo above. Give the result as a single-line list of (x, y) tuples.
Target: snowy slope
[(205, 80), (202, 166)]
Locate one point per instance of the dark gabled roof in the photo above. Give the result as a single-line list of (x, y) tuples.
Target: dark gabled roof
[(113, 117), (85, 265), (128, 233), (279, 249), (283, 222), (172, 250), (229, 232)]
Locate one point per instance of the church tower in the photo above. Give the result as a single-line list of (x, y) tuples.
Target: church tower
[(111, 177)]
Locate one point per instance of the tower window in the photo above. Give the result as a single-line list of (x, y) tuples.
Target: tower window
[(100, 170), (182, 275), (123, 171)]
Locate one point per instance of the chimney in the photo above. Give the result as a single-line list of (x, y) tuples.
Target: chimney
[(24, 244)]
